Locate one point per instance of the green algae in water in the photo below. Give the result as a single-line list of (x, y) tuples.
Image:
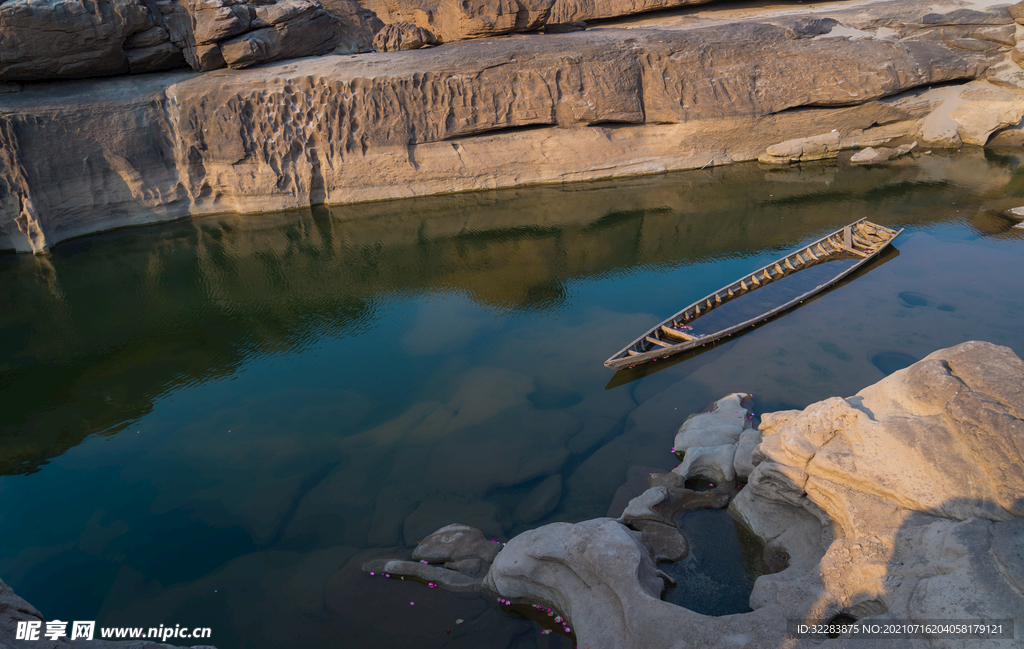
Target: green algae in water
[(724, 561)]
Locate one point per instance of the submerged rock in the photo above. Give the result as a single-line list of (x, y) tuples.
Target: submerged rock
[(902, 502), (541, 501), (871, 155)]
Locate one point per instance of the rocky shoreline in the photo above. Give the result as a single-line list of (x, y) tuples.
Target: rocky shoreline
[(901, 503), (707, 87)]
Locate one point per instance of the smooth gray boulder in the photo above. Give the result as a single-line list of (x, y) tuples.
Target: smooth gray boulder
[(464, 551), (429, 574), (743, 461), (712, 462), (455, 542), (722, 423)]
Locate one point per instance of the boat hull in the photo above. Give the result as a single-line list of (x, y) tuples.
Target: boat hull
[(842, 243)]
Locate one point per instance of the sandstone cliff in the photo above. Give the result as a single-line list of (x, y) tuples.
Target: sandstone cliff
[(87, 156), (73, 39)]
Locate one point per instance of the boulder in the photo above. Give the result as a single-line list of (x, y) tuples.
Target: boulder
[(456, 542), (601, 558), (455, 20), (872, 155), (663, 542), (984, 110), (68, 39), (286, 29), (40, 39), (818, 147), (356, 26), (570, 11), (402, 36), (426, 573), (1006, 74), (901, 503), (714, 463), (743, 462), (464, 551), (722, 423), (1017, 12)]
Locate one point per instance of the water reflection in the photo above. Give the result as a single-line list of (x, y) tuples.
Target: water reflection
[(215, 422)]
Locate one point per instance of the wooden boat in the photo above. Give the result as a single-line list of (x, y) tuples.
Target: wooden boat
[(764, 293)]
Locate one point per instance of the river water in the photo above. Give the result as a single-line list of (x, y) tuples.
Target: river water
[(216, 422)]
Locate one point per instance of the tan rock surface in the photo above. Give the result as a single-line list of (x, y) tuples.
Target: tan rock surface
[(337, 130), (71, 39), (455, 20), (357, 25), (43, 39), (402, 36), (900, 503)]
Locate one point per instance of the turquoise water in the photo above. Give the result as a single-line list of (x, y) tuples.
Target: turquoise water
[(216, 422)]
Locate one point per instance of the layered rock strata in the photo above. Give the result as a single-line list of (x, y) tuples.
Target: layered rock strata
[(453, 20), (71, 39), (903, 502), (401, 36), (83, 157)]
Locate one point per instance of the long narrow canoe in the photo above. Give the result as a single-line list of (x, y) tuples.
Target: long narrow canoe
[(762, 294)]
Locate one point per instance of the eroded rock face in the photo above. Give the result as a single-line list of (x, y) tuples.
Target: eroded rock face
[(453, 20), (902, 502), (66, 39), (243, 33), (69, 39), (341, 129), (402, 36)]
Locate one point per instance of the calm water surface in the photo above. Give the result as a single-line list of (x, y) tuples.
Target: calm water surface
[(215, 423)]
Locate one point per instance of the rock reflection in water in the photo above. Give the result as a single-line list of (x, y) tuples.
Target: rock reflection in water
[(222, 419)]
